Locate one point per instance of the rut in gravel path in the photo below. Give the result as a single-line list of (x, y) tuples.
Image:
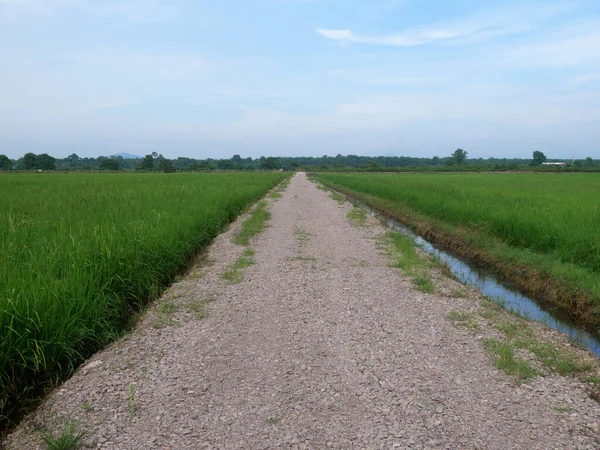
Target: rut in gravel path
[(321, 345)]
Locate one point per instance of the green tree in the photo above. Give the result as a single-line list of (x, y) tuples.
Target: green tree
[(46, 162), (166, 165), (538, 158), (459, 156), (29, 161), (5, 163), (110, 164), (270, 163), (147, 163), (589, 162), (73, 160)]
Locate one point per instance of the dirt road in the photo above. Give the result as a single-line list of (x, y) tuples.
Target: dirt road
[(322, 345)]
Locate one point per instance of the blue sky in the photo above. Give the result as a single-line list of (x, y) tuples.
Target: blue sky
[(206, 78)]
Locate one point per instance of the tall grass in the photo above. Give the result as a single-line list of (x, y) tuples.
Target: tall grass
[(552, 220), (78, 253)]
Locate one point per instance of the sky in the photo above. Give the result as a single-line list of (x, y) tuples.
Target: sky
[(206, 78)]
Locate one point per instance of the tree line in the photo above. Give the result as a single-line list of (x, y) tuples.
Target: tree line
[(154, 162)]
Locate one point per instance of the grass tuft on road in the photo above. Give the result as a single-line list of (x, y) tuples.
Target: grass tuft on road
[(404, 256), (254, 225)]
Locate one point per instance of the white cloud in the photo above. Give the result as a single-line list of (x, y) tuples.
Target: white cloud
[(475, 28)]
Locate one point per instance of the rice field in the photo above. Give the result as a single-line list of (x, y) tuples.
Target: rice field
[(80, 252), (550, 222)]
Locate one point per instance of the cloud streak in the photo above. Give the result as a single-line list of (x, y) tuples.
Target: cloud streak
[(475, 28)]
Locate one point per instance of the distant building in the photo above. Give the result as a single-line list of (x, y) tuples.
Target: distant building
[(562, 164)]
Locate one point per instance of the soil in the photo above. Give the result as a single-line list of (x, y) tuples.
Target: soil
[(321, 345)]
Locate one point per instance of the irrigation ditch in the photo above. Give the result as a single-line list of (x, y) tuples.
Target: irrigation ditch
[(510, 292)]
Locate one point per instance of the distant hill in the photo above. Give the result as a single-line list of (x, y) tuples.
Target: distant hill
[(127, 156)]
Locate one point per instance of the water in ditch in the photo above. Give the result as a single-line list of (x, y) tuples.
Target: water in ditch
[(494, 289)]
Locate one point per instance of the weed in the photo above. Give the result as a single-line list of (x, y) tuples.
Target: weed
[(424, 283), (198, 307), (562, 409), (463, 319), (275, 194), (87, 406), (503, 354), (165, 311), (302, 259), (594, 380), (131, 403), (403, 253), (562, 361), (302, 235), (457, 293), (358, 216), (234, 274), (254, 225), (360, 262), (69, 438), (338, 198)]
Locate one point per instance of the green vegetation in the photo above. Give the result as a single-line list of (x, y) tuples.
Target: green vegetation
[(254, 225), (198, 307), (164, 311), (358, 216), (79, 253), (519, 336), (131, 403), (70, 438), (505, 359), (302, 235), (547, 223), (403, 253), (458, 161), (463, 319), (338, 198), (234, 274)]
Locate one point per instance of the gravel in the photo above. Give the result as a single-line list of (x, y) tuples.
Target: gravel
[(322, 345)]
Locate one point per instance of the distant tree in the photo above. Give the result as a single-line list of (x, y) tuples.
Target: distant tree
[(147, 162), (435, 161), (270, 163), (538, 158), (110, 164), (237, 159), (29, 161), (459, 156), (166, 165), (589, 162), (46, 162), (5, 163), (73, 160)]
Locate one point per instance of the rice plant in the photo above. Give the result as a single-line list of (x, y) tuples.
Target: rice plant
[(80, 252)]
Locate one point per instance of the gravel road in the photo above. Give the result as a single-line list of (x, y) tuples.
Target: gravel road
[(322, 345)]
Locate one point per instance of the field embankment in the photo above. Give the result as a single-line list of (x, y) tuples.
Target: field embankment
[(79, 253), (540, 231)]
